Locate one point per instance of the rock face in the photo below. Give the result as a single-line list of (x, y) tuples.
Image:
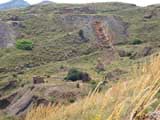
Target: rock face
[(22, 100), (7, 35), (9, 85), (99, 28), (21, 104), (14, 4)]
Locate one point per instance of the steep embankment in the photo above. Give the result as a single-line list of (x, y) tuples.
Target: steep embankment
[(7, 34), (125, 100)]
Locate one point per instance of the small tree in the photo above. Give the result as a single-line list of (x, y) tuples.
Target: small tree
[(81, 34), (136, 42), (74, 75), (24, 44)]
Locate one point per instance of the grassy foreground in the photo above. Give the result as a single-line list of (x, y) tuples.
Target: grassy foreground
[(125, 100)]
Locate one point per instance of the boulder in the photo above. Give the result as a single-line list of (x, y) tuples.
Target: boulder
[(142, 53), (38, 80), (85, 77), (123, 53), (82, 36), (9, 85), (6, 101), (148, 16), (147, 51)]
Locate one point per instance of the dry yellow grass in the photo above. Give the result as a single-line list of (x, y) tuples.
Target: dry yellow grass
[(125, 100)]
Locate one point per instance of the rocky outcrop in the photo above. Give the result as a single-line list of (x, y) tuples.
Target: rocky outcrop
[(97, 28), (23, 99), (38, 80), (123, 53), (6, 101), (21, 104), (7, 35), (146, 51), (152, 12), (9, 85)]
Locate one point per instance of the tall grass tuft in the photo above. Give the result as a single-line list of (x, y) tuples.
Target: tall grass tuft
[(125, 100)]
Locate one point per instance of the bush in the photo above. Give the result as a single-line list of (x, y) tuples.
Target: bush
[(72, 100), (75, 75), (136, 42), (24, 44), (81, 34)]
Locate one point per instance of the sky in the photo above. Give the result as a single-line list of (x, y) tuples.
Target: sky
[(137, 2)]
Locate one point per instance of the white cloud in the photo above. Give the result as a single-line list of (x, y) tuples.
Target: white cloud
[(138, 2)]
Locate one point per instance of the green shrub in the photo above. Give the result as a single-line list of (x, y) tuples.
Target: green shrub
[(74, 74), (136, 42), (52, 99), (72, 100), (24, 44), (81, 34)]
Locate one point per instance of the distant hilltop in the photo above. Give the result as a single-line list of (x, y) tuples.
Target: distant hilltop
[(14, 4)]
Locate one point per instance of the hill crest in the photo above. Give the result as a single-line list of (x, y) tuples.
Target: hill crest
[(14, 4)]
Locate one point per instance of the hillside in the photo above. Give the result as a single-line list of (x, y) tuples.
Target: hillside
[(14, 4), (134, 99), (103, 40)]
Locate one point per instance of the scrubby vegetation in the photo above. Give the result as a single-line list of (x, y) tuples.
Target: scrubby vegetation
[(74, 74), (24, 44), (64, 36), (130, 100), (136, 42)]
